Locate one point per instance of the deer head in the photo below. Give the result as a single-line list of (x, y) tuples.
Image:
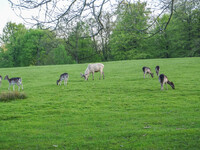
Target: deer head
[(85, 76)]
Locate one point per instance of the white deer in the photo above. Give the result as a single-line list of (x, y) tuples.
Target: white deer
[(63, 77), (92, 68), (13, 81)]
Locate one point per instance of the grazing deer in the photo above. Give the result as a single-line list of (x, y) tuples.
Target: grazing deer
[(14, 81), (64, 77), (92, 68), (164, 80), (157, 70), (147, 70)]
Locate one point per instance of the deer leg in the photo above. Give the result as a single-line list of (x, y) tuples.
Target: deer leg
[(65, 81), (144, 75), (92, 75), (103, 75), (100, 75), (161, 86), (166, 87)]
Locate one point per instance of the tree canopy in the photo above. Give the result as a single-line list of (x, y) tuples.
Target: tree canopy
[(130, 31)]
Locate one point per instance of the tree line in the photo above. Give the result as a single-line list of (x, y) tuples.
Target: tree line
[(122, 38)]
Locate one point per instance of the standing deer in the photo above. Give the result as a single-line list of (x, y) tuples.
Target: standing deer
[(147, 70), (92, 68), (14, 81), (164, 80), (157, 70), (64, 77)]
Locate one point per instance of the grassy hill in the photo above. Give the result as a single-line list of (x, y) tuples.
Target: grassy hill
[(124, 111)]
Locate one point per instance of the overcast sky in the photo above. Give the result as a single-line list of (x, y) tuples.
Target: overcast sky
[(7, 14)]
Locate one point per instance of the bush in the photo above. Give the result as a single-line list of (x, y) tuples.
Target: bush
[(8, 96)]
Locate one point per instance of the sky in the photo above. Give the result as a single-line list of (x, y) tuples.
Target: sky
[(7, 14)]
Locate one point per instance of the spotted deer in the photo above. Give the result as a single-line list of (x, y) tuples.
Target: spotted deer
[(63, 77), (147, 70), (13, 81), (164, 80)]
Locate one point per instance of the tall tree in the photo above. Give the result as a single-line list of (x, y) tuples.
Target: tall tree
[(82, 49), (126, 40), (24, 47), (11, 37)]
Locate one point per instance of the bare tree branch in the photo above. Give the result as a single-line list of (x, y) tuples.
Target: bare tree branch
[(56, 14), (172, 8)]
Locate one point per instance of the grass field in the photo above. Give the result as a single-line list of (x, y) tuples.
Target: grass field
[(124, 111)]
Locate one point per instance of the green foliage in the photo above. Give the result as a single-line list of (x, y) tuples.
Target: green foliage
[(81, 49), (60, 56), (123, 111), (128, 37), (31, 47), (182, 36), (126, 41)]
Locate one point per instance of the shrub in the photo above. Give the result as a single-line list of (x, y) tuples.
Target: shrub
[(8, 96)]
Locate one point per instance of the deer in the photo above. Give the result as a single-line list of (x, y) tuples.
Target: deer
[(157, 70), (92, 68), (147, 70), (63, 77), (0, 80), (164, 80), (13, 81)]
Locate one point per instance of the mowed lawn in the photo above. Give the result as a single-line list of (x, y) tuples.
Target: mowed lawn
[(123, 111)]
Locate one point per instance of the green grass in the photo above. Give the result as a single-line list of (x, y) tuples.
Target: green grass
[(124, 111)]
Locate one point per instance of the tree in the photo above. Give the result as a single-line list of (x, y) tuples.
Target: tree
[(182, 35), (59, 55), (11, 37), (52, 14), (24, 47), (187, 18), (126, 41), (81, 49)]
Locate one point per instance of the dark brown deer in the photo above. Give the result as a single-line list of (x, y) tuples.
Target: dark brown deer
[(0, 80), (147, 70), (157, 70), (164, 80)]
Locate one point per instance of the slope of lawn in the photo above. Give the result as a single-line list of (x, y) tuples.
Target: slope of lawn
[(123, 111)]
